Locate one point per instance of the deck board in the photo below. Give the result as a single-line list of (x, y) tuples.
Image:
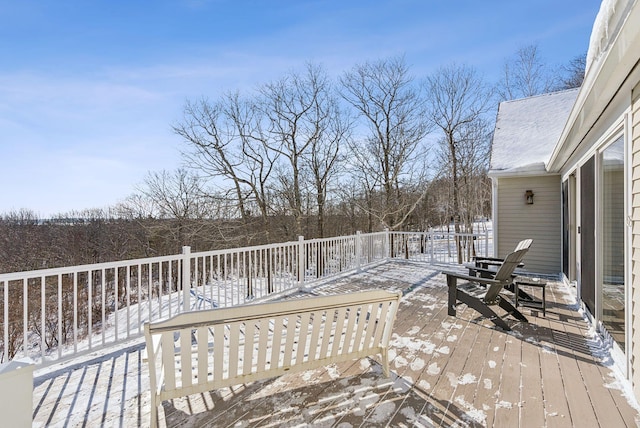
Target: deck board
[(489, 382), (507, 406), (531, 392), (444, 371)]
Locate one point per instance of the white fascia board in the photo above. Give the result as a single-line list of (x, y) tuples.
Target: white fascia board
[(601, 84), (533, 170)]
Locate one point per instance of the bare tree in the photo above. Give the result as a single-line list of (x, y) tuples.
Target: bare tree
[(458, 101), (525, 74), (227, 140), (255, 171), (473, 155), (392, 154), (213, 145), (325, 156), (300, 111), (572, 73), (177, 196)]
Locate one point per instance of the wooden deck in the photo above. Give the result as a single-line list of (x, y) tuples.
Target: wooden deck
[(446, 371)]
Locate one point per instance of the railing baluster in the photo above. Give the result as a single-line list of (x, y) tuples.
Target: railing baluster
[(43, 330), (116, 285), (5, 344), (103, 321), (150, 289), (25, 325), (128, 273), (170, 291), (90, 306), (139, 286), (75, 312), (160, 281), (59, 315)]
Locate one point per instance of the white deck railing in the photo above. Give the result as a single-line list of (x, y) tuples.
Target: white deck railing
[(53, 314)]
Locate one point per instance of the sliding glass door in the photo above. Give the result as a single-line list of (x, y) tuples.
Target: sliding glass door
[(612, 240), (588, 235)]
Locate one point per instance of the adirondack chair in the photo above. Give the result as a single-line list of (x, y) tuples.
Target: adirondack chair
[(482, 268), (482, 298)]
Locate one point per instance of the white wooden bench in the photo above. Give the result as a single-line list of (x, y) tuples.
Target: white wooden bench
[(200, 351)]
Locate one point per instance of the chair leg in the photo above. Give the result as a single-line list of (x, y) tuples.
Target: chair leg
[(452, 283), (507, 306), (522, 295), (485, 310)]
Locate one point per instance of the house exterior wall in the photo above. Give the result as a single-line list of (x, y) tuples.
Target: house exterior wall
[(635, 239), (607, 107), (602, 203), (540, 221)]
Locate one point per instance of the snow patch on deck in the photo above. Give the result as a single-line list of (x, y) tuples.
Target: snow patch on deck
[(471, 414)]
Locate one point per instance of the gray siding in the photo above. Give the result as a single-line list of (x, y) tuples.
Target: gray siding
[(635, 240), (540, 221)]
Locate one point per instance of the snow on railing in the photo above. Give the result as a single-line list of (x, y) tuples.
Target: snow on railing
[(54, 314)]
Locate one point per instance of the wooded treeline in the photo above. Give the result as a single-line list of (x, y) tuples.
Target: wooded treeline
[(306, 154)]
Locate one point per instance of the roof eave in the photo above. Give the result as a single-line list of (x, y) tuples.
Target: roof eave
[(601, 84)]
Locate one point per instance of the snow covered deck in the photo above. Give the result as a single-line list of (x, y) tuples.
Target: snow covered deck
[(445, 370)]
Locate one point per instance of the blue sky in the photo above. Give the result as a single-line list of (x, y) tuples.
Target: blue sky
[(89, 89)]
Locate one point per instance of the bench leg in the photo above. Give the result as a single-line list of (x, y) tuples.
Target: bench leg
[(154, 414), (385, 362)]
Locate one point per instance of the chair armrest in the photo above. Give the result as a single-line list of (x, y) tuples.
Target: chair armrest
[(488, 281), (482, 270), (489, 259)]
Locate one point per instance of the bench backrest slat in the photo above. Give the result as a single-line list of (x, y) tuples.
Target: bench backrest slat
[(168, 362), (185, 351), (234, 339), (338, 342), (203, 337), (218, 353), (379, 328), (305, 320), (373, 320)]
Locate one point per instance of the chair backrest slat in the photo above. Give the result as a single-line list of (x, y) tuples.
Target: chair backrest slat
[(524, 244), (505, 273)]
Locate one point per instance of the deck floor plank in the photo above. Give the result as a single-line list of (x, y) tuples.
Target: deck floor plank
[(451, 364), (578, 400), (428, 340), (488, 389), (556, 409), (601, 399), (507, 408), (531, 392), (470, 380)]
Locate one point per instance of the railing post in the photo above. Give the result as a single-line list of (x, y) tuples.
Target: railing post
[(186, 278), (301, 260), (358, 250)]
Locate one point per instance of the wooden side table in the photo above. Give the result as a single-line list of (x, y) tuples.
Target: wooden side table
[(534, 303)]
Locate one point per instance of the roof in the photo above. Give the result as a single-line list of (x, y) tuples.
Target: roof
[(527, 131)]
